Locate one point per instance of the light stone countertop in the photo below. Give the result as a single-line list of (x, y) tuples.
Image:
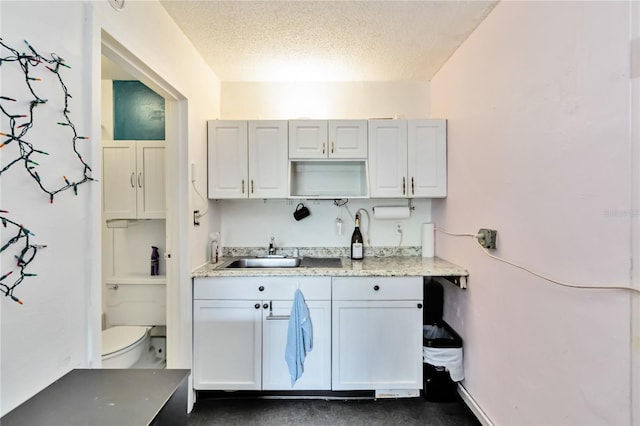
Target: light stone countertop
[(392, 266)]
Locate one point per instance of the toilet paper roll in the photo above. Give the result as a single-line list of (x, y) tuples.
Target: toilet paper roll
[(428, 240), (391, 212)]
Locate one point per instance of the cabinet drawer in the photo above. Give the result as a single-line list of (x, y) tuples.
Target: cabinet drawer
[(377, 288), (261, 288)]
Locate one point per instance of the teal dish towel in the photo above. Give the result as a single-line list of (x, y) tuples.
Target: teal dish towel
[(299, 337)]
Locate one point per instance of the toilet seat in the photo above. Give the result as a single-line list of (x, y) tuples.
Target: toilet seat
[(116, 339)]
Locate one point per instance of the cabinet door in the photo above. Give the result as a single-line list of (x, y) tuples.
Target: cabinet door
[(376, 345), (119, 180), (388, 158), (317, 364), (268, 159), (227, 341), (150, 179), (427, 161), (308, 139), (348, 139), (227, 159)]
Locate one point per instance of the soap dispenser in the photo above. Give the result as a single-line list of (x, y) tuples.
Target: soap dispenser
[(155, 261), (214, 246)]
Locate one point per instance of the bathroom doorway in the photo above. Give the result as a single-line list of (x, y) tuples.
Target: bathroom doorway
[(174, 263)]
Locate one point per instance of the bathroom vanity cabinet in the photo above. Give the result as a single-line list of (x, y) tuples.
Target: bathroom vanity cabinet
[(240, 333)]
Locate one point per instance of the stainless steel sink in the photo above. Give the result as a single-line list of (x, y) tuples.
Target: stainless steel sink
[(264, 262)]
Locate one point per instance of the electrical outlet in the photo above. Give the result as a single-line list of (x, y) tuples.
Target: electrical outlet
[(196, 222), (487, 238), (399, 228)]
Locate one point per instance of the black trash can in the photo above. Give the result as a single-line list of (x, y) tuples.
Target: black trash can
[(442, 348)]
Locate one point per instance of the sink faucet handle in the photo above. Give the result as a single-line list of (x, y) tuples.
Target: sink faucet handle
[(272, 247)]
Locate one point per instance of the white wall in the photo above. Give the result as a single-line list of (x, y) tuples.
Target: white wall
[(55, 330), (339, 100), (47, 336), (635, 211), (251, 223), (538, 108), (346, 100)]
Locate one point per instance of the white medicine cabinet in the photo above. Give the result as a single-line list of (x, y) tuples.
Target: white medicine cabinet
[(133, 180)]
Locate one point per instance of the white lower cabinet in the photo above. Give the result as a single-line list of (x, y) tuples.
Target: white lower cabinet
[(240, 335), (367, 333), (377, 333), (317, 364), (227, 345)]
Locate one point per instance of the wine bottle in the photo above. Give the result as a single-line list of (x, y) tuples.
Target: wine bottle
[(356, 242)]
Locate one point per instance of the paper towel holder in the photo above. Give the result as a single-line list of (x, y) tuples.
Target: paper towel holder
[(393, 212)]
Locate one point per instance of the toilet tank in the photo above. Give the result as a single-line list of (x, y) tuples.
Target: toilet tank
[(136, 304)]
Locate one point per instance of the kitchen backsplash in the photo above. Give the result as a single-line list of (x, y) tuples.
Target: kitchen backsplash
[(404, 251), (252, 223)]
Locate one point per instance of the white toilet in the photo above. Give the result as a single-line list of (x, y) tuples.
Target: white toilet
[(131, 312), (123, 346)]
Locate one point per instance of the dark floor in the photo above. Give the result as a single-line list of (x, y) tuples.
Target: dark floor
[(280, 412)]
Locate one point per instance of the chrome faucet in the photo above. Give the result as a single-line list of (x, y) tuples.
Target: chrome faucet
[(272, 247)]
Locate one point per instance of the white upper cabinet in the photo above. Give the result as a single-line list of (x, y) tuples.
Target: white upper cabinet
[(268, 163), (408, 158), (247, 159), (427, 160), (133, 180), (345, 139), (227, 159), (388, 158)]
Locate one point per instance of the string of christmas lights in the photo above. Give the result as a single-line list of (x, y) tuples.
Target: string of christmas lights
[(19, 116), (26, 255), (18, 131)]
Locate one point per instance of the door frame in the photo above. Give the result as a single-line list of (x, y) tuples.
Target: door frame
[(178, 297)]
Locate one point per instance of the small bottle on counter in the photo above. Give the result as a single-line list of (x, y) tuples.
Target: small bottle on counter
[(155, 261), (357, 252), (214, 246)]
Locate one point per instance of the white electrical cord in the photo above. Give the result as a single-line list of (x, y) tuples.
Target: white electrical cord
[(368, 223), (199, 215), (544, 277)]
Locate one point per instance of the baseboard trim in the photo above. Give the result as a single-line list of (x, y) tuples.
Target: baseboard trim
[(473, 406)]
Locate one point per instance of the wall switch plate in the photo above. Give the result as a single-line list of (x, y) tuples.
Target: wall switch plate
[(487, 238), (196, 222)]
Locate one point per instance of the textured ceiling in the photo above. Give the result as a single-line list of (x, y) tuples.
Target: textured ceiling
[(327, 40)]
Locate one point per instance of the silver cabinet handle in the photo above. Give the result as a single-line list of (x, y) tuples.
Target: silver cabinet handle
[(252, 186), (323, 147), (404, 186), (333, 147), (140, 180), (132, 180), (243, 186), (413, 187), (277, 317)]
